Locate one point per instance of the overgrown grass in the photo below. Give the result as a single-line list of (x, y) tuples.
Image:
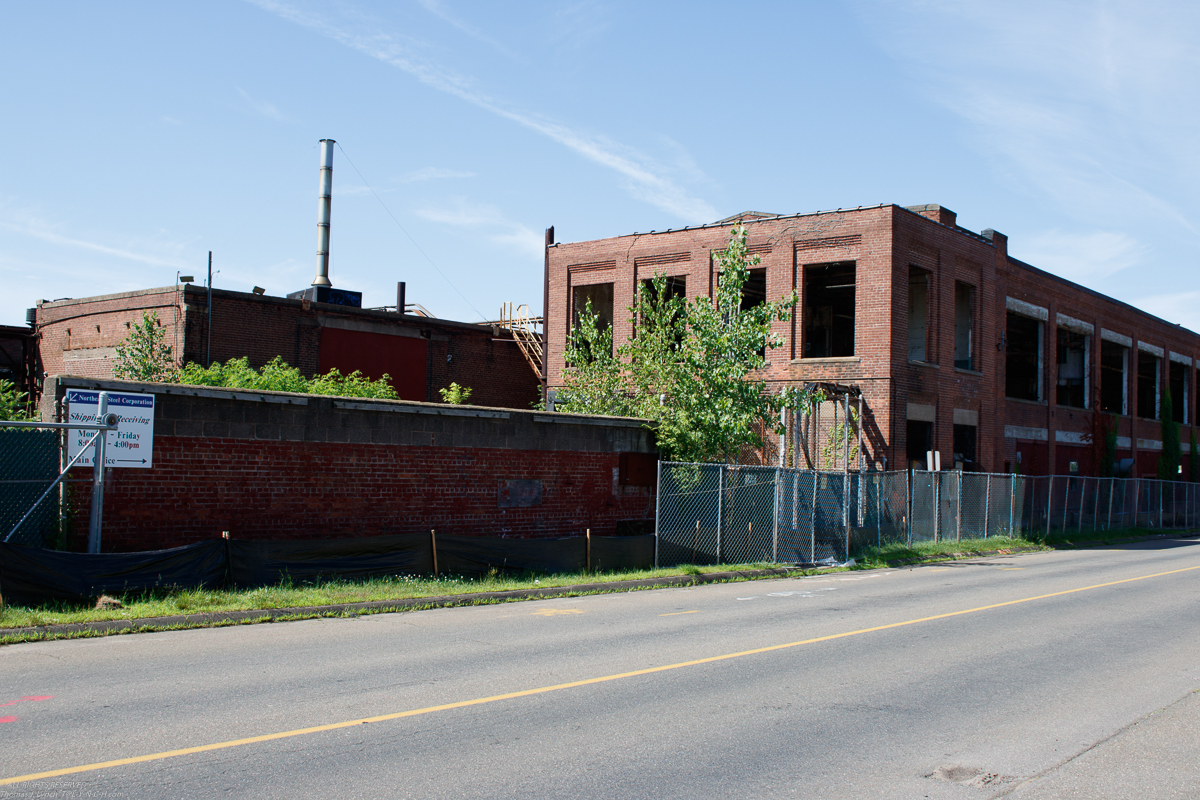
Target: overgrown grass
[(874, 557), (169, 603), (174, 602)]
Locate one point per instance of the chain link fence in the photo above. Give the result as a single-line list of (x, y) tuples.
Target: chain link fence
[(720, 513), (723, 513), (31, 459), (29, 463)]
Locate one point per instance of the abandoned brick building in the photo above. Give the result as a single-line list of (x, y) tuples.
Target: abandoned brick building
[(956, 346), (420, 354)]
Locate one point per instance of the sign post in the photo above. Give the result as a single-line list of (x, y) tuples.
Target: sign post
[(129, 446)]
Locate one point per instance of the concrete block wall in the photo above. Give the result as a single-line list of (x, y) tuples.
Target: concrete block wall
[(279, 466)]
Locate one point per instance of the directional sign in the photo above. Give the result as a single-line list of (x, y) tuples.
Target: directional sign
[(131, 445)]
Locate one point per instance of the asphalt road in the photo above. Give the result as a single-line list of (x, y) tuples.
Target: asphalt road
[(1065, 674)]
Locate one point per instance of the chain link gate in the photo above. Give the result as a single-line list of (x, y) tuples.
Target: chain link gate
[(30, 457)]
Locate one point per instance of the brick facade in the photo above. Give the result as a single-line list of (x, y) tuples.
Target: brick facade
[(421, 355), (267, 465), (887, 245)]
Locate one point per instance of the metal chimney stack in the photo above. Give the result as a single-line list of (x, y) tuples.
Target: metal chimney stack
[(323, 207)]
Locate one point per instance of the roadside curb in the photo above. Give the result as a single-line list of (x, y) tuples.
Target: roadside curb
[(223, 618)]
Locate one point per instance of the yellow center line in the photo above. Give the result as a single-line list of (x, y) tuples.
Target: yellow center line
[(677, 613), (333, 726)]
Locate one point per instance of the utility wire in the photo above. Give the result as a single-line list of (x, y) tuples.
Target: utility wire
[(410, 238)]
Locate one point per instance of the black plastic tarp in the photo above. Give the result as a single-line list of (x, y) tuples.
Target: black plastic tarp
[(31, 572), (476, 555), (254, 563), (612, 553)]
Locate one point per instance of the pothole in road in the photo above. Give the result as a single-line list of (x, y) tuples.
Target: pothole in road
[(969, 776)]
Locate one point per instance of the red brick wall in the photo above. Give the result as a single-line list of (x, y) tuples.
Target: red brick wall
[(77, 337), (295, 490), (884, 242)]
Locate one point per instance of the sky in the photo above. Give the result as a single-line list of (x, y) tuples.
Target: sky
[(142, 135)]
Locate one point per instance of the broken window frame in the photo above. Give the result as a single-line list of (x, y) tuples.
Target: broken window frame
[(1107, 372), (1065, 338), (580, 294), (1143, 386), (964, 325), (1179, 402), (919, 284), (1036, 359), (819, 280)]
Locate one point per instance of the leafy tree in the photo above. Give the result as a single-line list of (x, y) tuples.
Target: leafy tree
[(689, 367), (455, 394), (145, 354), (1194, 461), (1108, 456), (1168, 462), (277, 376), (14, 405)]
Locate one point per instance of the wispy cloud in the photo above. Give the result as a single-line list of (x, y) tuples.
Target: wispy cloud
[(262, 108), (1082, 257), (1080, 101), (434, 173), (47, 233), (506, 232), (642, 179), (170, 120), (1182, 308), (439, 10)]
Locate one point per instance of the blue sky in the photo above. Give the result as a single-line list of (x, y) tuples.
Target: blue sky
[(141, 135)]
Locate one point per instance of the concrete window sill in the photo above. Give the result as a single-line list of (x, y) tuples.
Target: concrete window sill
[(837, 360)]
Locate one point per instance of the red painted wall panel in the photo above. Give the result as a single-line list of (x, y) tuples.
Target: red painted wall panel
[(402, 358)]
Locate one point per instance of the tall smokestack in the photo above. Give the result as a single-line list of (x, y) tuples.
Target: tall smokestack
[(323, 205)]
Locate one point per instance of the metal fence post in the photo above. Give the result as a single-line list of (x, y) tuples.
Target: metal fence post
[(1049, 504), (1066, 504), (958, 507), (1083, 493), (775, 522), (1160, 504), (1096, 507), (812, 529), (937, 505), (908, 504), (95, 524), (720, 500), (879, 510), (987, 503), (1112, 489), (657, 506), (1012, 502)]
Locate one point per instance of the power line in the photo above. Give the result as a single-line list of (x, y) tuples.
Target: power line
[(410, 238)]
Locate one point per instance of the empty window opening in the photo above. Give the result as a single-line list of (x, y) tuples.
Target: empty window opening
[(1147, 386), (920, 441), (754, 290), (964, 325), (964, 446), (601, 297), (829, 310), (1114, 383), (1179, 398), (675, 287), (918, 314), (1072, 369), (1023, 358)]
